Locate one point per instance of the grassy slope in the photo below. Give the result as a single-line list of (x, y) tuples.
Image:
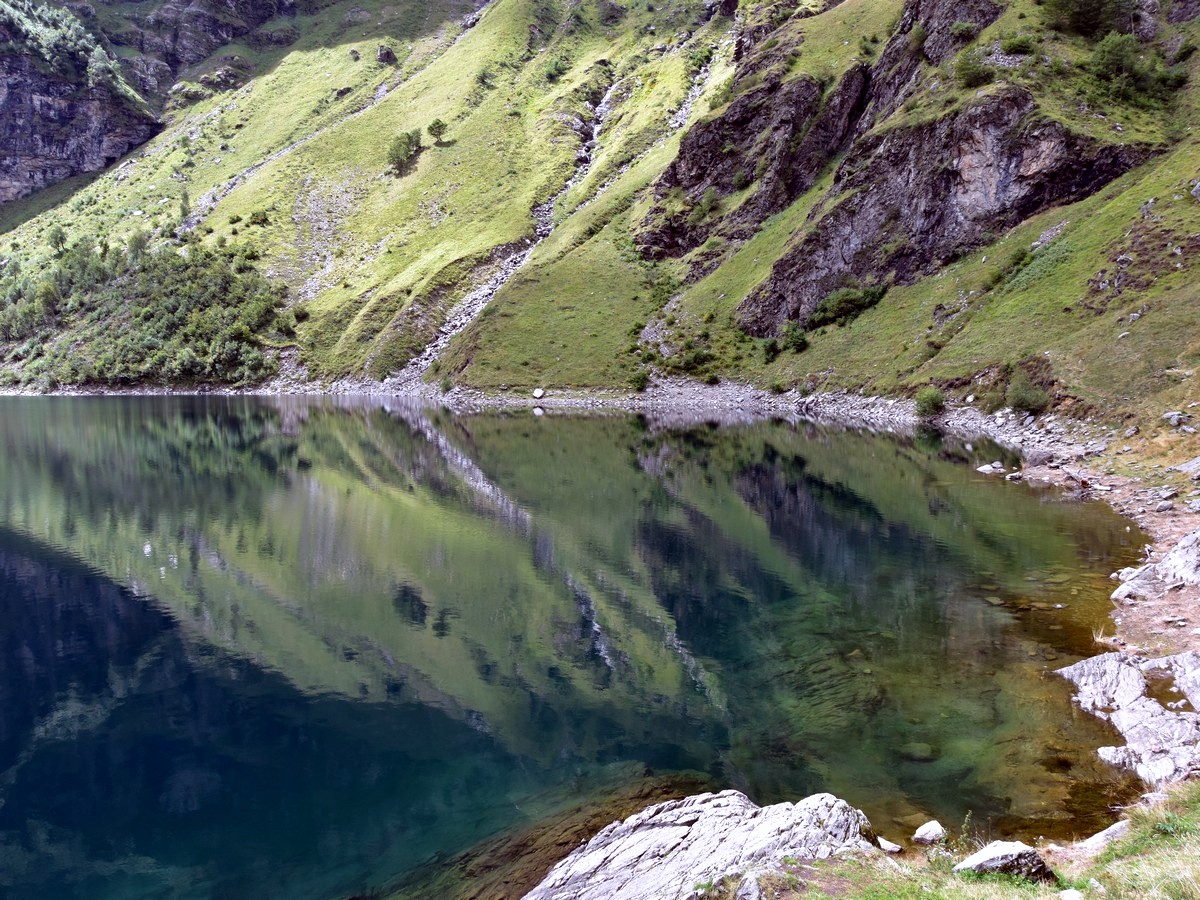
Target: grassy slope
[(897, 346), (376, 261)]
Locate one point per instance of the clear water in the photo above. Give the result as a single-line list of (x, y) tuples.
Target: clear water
[(281, 648)]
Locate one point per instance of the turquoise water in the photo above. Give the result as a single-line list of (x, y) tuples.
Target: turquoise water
[(284, 648)]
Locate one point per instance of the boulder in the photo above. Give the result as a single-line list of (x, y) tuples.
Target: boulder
[(667, 849), (1038, 457), (1008, 858), (887, 846), (930, 833), (384, 54), (1102, 839), (1181, 565)]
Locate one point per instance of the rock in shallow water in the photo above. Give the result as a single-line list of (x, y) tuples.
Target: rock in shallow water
[(668, 849), (930, 833), (1161, 745)]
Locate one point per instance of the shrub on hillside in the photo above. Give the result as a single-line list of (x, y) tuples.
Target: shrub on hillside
[(1017, 44), (1026, 396), (972, 70), (794, 338), (964, 31), (844, 306), (930, 401), (403, 150), (1090, 18), (1123, 71)]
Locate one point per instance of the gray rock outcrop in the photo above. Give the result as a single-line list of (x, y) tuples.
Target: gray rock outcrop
[(51, 127), (667, 850), (1008, 858), (1181, 566), (907, 199), (1162, 745)]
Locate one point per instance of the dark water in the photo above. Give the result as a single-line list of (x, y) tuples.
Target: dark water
[(258, 648)]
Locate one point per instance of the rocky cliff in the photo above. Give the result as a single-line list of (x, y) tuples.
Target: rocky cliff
[(61, 113), (909, 196), (172, 35), (912, 198), (66, 105)]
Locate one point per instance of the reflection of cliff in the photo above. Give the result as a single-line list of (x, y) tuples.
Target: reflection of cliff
[(111, 726), (359, 555), (794, 609), (834, 588)]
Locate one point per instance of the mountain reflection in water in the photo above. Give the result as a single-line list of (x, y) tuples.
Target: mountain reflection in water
[(290, 648)]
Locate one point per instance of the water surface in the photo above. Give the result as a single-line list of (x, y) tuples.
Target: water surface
[(286, 648)]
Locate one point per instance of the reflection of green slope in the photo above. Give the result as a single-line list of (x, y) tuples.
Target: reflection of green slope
[(836, 578), (799, 604), (314, 584)]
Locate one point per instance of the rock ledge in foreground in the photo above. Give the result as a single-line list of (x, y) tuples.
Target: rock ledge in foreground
[(667, 850)]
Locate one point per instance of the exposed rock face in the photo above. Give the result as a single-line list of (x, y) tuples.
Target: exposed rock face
[(1007, 858), (55, 124), (1181, 566), (911, 198), (1183, 11), (899, 66), (52, 128), (904, 201), (1162, 745), (668, 849), (783, 134), (180, 33)]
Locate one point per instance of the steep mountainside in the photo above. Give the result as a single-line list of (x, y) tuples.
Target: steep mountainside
[(64, 106), (871, 193)]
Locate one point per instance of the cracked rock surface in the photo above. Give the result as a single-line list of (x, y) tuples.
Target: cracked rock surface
[(667, 850)]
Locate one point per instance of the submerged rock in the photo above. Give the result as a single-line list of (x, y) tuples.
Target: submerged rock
[(1162, 745), (1008, 858), (1102, 839), (666, 850)]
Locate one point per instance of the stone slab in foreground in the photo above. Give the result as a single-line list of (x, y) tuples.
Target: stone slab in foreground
[(668, 850), (1008, 858)]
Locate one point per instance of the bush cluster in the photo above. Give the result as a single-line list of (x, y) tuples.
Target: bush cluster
[(1126, 74), (1026, 396), (930, 401), (845, 305), (144, 316), (60, 42)]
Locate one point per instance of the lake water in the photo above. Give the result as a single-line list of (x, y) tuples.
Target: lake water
[(285, 648)]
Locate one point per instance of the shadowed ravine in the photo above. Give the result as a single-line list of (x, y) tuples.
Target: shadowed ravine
[(289, 648)]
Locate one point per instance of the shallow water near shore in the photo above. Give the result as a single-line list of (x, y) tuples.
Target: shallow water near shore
[(275, 647)]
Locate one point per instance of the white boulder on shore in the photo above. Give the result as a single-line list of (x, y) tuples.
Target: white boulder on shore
[(1008, 858), (670, 850)]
